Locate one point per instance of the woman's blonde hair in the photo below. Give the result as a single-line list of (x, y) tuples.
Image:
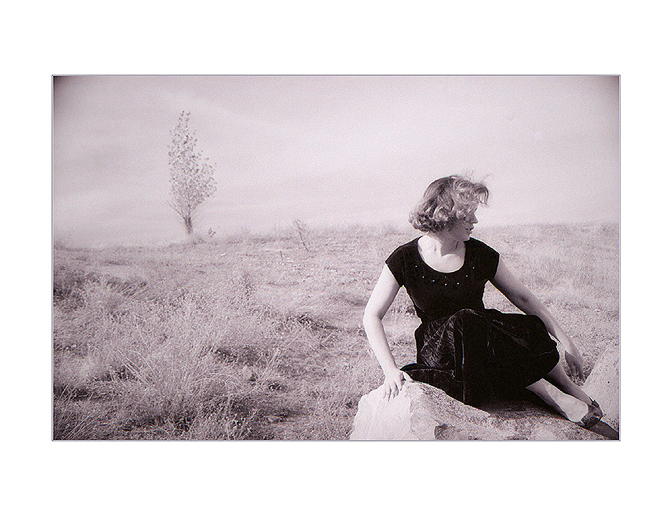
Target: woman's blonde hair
[(445, 201)]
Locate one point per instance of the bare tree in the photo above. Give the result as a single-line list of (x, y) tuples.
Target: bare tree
[(191, 176)]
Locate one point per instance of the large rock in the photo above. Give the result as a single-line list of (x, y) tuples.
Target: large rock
[(419, 412), (423, 412)]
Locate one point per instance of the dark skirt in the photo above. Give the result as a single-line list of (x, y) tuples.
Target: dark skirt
[(475, 355)]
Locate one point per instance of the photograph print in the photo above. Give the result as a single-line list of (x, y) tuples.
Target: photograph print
[(286, 257)]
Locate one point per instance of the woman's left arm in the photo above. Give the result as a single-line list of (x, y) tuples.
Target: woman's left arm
[(521, 296)]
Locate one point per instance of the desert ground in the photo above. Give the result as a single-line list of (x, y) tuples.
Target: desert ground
[(260, 337)]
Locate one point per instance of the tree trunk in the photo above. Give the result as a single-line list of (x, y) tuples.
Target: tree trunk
[(188, 225)]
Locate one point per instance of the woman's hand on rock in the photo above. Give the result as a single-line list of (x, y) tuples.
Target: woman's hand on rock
[(575, 363), (393, 382)]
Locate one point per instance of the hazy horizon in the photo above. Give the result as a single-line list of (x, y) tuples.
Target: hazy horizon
[(330, 151)]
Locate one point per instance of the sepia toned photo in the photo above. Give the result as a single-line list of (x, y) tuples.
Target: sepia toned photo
[(331, 258)]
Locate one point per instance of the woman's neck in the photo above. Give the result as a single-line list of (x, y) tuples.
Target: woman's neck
[(442, 244)]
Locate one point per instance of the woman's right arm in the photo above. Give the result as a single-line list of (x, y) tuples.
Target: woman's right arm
[(381, 298)]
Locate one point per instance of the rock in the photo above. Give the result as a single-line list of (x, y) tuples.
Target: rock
[(423, 412), (418, 412), (603, 385)]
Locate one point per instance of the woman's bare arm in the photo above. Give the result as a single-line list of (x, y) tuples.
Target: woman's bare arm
[(521, 296), (379, 303)]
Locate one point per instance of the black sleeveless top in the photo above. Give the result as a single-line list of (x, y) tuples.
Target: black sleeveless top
[(435, 294)]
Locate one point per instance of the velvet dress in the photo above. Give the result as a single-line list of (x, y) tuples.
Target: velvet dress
[(470, 352)]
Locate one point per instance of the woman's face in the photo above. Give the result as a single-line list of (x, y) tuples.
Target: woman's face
[(462, 229)]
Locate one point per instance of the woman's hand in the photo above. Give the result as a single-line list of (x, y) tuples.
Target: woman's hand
[(575, 363), (393, 381)]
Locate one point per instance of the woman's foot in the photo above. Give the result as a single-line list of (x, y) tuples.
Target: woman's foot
[(593, 415), (577, 411)]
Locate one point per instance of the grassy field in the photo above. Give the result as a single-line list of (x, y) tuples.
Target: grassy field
[(261, 337)]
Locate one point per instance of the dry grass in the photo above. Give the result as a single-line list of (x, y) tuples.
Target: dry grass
[(260, 337)]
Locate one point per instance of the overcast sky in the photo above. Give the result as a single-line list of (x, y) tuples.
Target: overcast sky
[(330, 150)]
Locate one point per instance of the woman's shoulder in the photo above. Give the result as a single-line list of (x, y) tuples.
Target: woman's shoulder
[(486, 258), (481, 249), (405, 253), (401, 259), (407, 247), (480, 246)]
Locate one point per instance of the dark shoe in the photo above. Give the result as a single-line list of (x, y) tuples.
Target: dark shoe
[(593, 416)]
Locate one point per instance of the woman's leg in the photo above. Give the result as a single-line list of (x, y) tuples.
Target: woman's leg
[(566, 404), (565, 384)]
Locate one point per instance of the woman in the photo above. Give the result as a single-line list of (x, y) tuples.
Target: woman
[(468, 351)]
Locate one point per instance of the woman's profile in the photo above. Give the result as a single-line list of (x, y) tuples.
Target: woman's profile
[(463, 348)]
